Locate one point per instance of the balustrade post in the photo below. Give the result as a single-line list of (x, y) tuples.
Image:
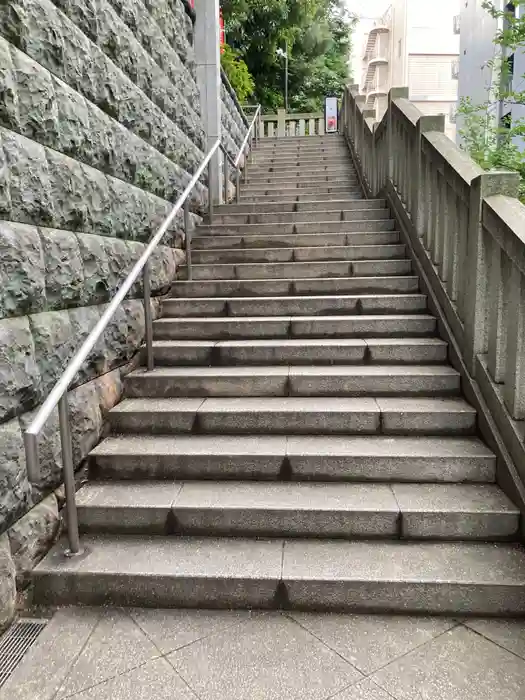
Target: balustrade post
[(424, 124), (281, 123), (393, 145), (476, 282)]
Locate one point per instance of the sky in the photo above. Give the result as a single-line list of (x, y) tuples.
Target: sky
[(368, 8)]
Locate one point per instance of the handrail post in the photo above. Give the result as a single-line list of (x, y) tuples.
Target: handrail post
[(69, 478), (226, 177), (245, 171), (148, 320), (210, 195), (187, 233), (32, 461), (238, 186)]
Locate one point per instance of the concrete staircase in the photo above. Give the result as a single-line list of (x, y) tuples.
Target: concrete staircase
[(303, 441)]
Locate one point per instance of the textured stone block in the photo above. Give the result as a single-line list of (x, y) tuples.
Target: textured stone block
[(49, 453), (29, 181), (37, 106), (86, 420), (82, 67), (35, 27), (93, 254), (64, 269), (19, 375), (99, 198), (76, 135), (83, 13), (22, 272), (7, 584), (15, 492), (69, 193), (55, 344), (9, 115), (125, 333), (109, 390), (82, 321), (32, 536)]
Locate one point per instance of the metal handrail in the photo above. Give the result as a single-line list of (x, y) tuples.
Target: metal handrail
[(58, 395), (249, 135)]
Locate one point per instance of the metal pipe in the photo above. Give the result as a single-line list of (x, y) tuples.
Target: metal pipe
[(245, 171), (226, 178), (187, 232), (248, 134), (238, 186), (210, 195), (146, 283), (32, 461), (69, 478)]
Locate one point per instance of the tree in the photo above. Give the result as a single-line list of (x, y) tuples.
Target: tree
[(317, 33), (489, 143)]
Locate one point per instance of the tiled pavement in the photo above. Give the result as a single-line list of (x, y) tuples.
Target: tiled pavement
[(89, 654)]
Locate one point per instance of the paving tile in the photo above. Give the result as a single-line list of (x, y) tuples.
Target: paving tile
[(364, 690), (47, 663), (267, 658), (173, 629), (115, 646), (155, 680), (369, 642), (458, 665), (507, 633)]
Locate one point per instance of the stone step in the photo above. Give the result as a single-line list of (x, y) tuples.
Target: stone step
[(276, 163), (299, 270), (245, 327), (277, 509), (276, 193), (280, 287), (320, 458), (305, 175), (306, 206), (300, 352), (301, 240), (299, 216), (453, 578), (271, 380), (335, 194), (287, 255), (332, 184), (305, 226), (295, 415), (291, 305)]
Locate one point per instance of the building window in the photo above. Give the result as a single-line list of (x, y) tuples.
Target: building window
[(456, 24)]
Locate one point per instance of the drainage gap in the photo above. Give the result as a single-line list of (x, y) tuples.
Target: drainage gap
[(15, 643)]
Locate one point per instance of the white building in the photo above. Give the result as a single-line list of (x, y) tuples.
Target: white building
[(414, 43), (477, 73)]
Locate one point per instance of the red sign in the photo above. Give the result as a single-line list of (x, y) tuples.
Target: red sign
[(222, 34)]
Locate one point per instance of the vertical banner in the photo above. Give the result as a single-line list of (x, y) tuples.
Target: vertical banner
[(330, 115)]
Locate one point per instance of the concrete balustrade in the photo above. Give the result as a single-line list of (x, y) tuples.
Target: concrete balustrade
[(283, 124), (466, 229)]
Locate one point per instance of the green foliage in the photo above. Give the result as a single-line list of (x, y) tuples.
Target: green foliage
[(490, 144), (237, 71), (318, 36)]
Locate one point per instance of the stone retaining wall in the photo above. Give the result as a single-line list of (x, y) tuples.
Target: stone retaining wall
[(100, 131)]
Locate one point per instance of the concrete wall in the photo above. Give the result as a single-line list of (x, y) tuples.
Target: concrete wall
[(100, 131)]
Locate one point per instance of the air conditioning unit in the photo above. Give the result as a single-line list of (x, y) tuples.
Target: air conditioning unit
[(453, 114), (456, 24), (454, 69)]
